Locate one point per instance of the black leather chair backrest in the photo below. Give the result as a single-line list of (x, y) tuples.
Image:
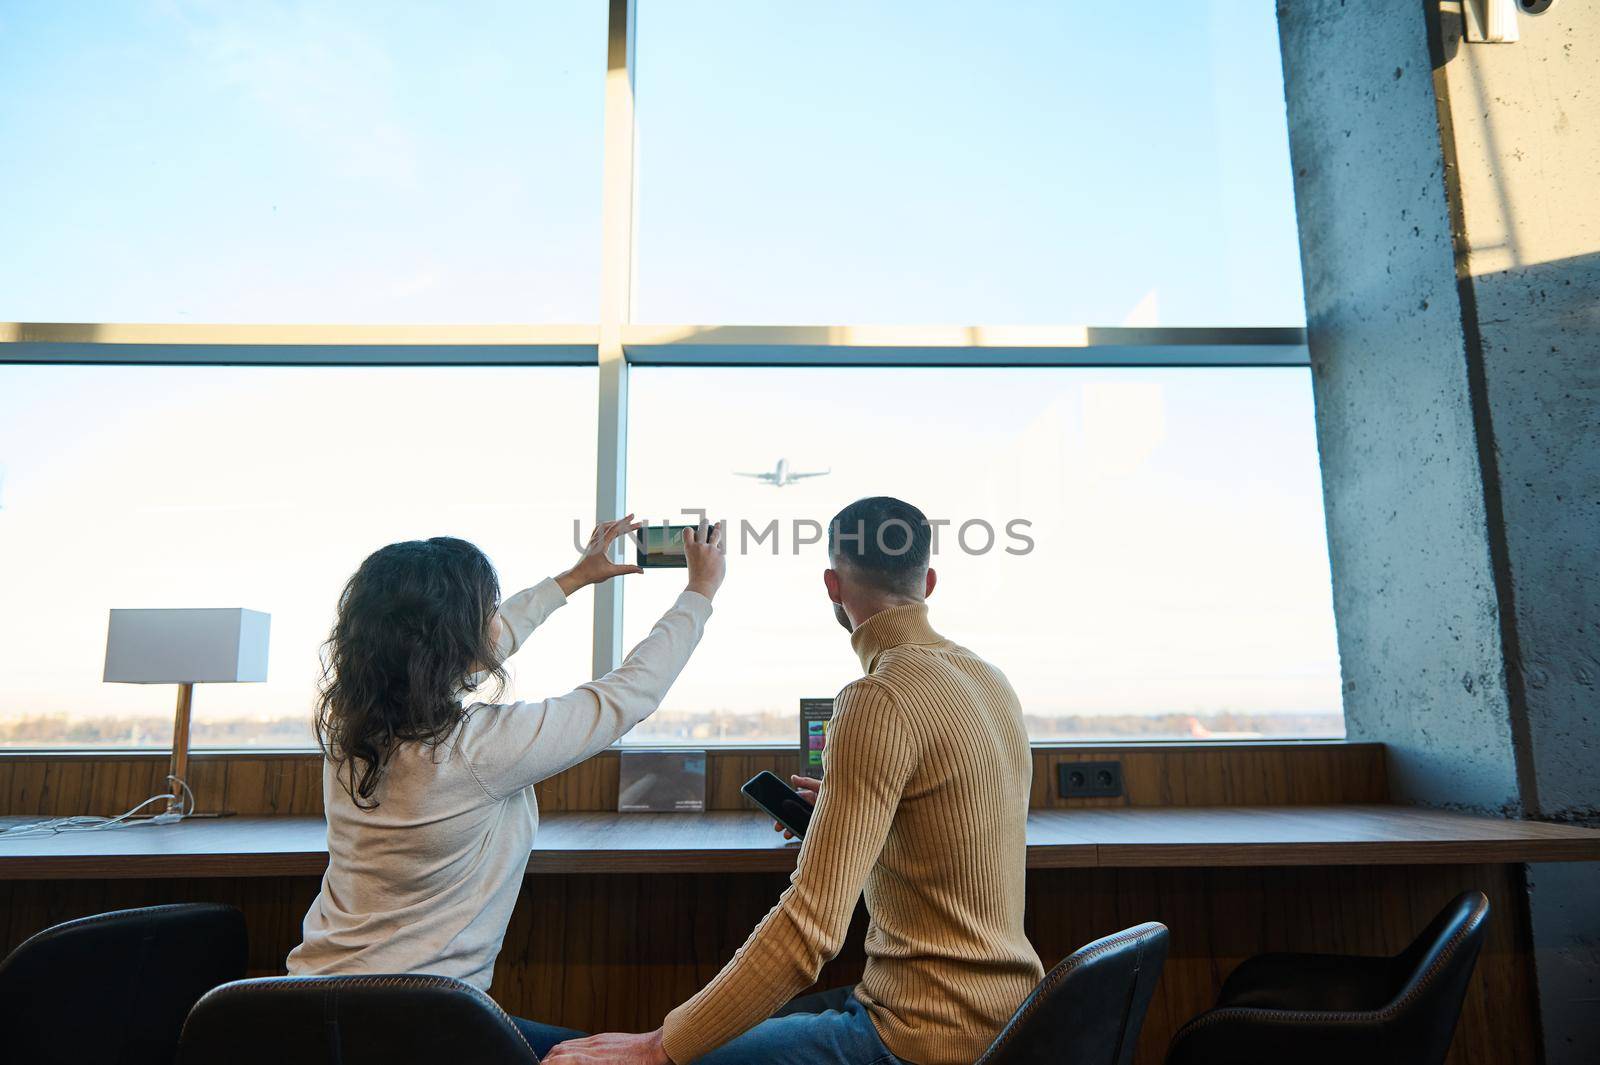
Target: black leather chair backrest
[(1298, 1007), (1087, 1010), (116, 987), (351, 1020), (1464, 919), (1436, 968)]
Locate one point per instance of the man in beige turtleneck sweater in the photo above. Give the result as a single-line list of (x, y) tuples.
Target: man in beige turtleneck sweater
[(924, 811)]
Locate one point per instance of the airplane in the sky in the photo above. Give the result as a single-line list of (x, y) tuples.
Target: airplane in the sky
[(782, 475)]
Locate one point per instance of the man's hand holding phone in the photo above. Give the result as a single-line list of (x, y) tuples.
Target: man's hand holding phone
[(806, 788)]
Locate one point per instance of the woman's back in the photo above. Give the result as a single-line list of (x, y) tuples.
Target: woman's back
[(427, 879), (430, 806)]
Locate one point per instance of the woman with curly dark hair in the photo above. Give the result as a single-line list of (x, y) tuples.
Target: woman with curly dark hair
[(429, 798)]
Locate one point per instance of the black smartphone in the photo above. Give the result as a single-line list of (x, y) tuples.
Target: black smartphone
[(661, 546), (781, 801)]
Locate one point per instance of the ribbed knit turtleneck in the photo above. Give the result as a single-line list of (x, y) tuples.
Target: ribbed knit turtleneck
[(891, 628)]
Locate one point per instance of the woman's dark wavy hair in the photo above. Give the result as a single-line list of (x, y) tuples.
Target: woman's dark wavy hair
[(413, 625)]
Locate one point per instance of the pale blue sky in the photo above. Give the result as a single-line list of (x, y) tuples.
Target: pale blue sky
[(1027, 161), (1024, 161), (210, 160)]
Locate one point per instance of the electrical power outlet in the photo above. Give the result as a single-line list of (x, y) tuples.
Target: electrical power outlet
[(1090, 780)]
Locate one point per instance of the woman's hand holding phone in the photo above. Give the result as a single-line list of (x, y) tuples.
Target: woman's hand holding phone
[(594, 566), (706, 552), (807, 788)]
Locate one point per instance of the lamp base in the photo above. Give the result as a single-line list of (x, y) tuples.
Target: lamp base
[(180, 748)]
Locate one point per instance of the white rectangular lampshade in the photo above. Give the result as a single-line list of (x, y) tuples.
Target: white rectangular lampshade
[(187, 646)]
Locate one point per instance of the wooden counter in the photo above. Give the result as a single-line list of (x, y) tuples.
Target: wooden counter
[(744, 842)]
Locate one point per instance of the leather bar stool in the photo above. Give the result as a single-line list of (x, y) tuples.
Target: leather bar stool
[(351, 1020), (1087, 1010), (115, 988), (1322, 1009)]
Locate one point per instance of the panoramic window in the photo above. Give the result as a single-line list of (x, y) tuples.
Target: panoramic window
[(349, 163), (1141, 551), (1140, 548), (908, 162), (263, 488)]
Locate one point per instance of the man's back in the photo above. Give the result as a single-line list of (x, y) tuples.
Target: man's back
[(947, 959), (924, 810)]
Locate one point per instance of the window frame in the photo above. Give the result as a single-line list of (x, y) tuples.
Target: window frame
[(615, 343)]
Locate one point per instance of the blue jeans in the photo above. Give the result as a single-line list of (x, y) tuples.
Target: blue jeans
[(832, 1028), (544, 1037)]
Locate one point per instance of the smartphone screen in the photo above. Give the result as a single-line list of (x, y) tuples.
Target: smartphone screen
[(780, 800), (661, 546)]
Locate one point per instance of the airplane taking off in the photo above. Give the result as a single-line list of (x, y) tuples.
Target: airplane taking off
[(783, 475)]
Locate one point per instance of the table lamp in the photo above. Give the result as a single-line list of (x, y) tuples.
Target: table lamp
[(186, 647)]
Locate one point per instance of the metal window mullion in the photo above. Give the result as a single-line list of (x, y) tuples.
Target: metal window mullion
[(186, 344), (616, 271), (972, 346)]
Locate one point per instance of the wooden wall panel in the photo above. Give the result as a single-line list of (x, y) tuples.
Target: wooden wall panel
[(1220, 775), (617, 952), (1154, 775)]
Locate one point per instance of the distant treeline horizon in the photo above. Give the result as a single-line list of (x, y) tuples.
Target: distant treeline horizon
[(713, 728)]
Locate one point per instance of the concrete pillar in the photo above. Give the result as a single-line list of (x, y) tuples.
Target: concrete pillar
[(1449, 208)]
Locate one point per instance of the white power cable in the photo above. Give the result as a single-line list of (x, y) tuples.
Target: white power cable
[(56, 825)]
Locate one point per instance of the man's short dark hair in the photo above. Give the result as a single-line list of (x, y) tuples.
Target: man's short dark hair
[(885, 541)]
